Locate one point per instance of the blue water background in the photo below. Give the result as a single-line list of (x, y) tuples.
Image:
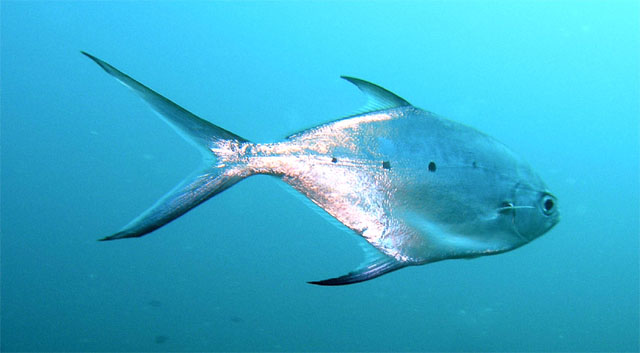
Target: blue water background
[(558, 81)]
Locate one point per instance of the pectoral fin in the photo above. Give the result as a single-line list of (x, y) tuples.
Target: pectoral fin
[(373, 270)]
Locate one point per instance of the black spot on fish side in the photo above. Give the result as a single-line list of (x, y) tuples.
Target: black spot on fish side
[(386, 165), (432, 167), (334, 160), (474, 164)]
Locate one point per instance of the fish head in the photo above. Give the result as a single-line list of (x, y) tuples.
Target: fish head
[(533, 211)]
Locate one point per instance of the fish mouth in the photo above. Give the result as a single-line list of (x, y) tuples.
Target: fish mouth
[(555, 220)]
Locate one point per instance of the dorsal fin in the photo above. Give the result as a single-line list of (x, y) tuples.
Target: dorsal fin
[(378, 98)]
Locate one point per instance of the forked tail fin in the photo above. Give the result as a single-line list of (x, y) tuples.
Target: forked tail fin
[(212, 179)]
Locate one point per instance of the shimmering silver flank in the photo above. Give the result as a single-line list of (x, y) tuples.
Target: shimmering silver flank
[(419, 188)]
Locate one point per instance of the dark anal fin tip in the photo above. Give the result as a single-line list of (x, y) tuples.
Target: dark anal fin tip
[(119, 235), (107, 238), (330, 282), (373, 270)]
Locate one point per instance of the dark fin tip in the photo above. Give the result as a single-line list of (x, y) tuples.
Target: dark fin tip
[(120, 235), (111, 237), (106, 67), (374, 270), (351, 278), (90, 56), (330, 282)]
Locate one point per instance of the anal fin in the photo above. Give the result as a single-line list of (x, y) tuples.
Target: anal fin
[(373, 270)]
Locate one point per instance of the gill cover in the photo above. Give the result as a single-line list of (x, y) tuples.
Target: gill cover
[(534, 213)]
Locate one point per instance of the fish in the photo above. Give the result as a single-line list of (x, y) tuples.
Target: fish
[(417, 187)]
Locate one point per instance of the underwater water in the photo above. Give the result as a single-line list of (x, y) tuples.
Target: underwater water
[(558, 82)]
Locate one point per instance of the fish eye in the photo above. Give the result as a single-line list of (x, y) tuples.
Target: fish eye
[(548, 204)]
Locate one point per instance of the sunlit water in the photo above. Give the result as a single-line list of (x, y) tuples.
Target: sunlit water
[(556, 81)]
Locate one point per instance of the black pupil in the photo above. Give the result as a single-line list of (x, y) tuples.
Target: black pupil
[(548, 205)]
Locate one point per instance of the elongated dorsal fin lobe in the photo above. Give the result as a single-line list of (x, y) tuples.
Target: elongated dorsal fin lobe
[(195, 130), (378, 98), (373, 270)]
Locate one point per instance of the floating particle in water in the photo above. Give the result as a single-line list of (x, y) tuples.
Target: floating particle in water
[(236, 319)]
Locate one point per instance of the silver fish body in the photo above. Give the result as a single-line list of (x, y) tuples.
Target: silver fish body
[(418, 187), (372, 172)]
